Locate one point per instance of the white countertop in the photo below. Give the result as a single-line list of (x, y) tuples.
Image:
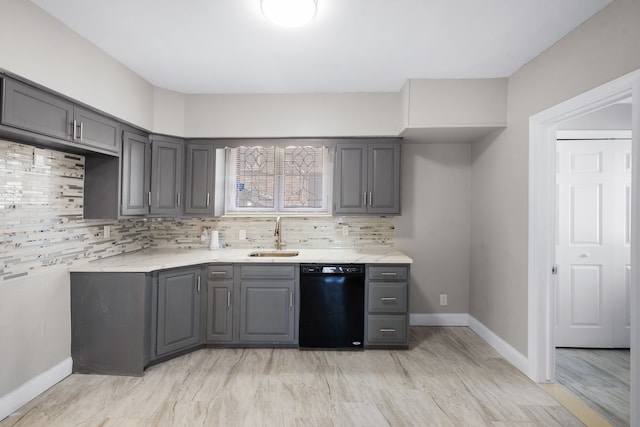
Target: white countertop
[(159, 259)]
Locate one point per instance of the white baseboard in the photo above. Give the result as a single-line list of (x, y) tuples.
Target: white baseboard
[(505, 349), (439, 319), (28, 391)]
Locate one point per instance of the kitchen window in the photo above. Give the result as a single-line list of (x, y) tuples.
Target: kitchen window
[(279, 180)]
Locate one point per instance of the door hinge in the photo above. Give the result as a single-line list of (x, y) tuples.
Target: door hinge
[(554, 269)]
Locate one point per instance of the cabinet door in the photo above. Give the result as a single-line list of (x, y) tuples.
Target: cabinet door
[(31, 109), (384, 179), (267, 311), (96, 130), (166, 178), (199, 185), (350, 181), (136, 163), (178, 310), (219, 311)]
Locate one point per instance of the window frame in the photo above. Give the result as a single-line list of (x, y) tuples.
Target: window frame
[(230, 190)]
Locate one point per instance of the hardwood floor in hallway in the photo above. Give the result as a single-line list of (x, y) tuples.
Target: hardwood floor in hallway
[(449, 377)]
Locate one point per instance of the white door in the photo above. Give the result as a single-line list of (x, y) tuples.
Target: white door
[(593, 247)]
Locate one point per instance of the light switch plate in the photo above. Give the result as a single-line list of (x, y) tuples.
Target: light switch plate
[(107, 231), (345, 230), (443, 299), (242, 235)]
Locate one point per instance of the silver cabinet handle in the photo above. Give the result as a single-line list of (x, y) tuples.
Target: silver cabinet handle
[(228, 298), (75, 128), (178, 196), (149, 198), (388, 299), (198, 281), (387, 330), (218, 273), (364, 198), (370, 199), (208, 199), (81, 130), (388, 273), (290, 299)]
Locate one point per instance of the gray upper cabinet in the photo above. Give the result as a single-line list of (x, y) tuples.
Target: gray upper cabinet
[(179, 310), (95, 130), (367, 179), (166, 176), (34, 110), (350, 179), (384, 179), (199, 179), (136, 167)]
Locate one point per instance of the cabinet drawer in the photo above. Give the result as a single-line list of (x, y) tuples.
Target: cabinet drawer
[(387, 297), (388, 272), (387, 329), (219, 272), (268, 272)]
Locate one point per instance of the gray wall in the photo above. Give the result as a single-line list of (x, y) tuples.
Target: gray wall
[(38, 47), (602, 49), (434, 228)]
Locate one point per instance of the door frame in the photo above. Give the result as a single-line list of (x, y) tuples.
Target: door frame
[(542, 224)]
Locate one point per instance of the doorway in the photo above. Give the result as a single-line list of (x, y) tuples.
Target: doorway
[(543, 227), (592, 329), (593, 193)]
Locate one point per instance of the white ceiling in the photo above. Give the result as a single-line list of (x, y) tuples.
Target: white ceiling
[(226, 46)]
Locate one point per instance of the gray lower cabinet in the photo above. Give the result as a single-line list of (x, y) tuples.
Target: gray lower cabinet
[(387, 306), (179, 310), (121, 322), (136, 174), (199, 179), (219, 304), (268, 303), (34, 110), (166, 176), (367, 179), (111, 322)]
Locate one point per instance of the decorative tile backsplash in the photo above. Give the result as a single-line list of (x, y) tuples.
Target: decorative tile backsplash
[(41, 225), (297, 232), (41, 196)]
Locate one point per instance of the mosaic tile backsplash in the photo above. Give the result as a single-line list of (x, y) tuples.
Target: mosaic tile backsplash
[(41, 199), (41, 193), (297, 232)]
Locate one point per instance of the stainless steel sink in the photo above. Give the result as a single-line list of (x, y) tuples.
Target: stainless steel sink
[(274, 253)]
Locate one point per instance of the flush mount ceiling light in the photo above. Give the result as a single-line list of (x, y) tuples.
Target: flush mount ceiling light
[(289, 13)]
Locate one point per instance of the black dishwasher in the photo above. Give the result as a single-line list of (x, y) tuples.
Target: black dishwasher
[(331, 306)]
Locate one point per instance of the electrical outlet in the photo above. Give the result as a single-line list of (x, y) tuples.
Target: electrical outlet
[(242, 235), (107, 231), (345, 230), (443, 299)]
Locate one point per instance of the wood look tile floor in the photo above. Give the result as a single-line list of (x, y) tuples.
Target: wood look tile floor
[(449, 377), (599, 377)]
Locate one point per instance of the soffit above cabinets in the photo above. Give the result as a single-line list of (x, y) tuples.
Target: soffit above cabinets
[(227, 46), (452, 110)]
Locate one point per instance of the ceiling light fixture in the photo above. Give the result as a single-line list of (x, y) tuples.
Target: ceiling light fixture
[(289, 13)]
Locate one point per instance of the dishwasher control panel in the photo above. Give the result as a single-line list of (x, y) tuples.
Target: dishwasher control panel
[(331, 269)]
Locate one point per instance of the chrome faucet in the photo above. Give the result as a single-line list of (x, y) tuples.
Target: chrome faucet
[(278, 233)]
